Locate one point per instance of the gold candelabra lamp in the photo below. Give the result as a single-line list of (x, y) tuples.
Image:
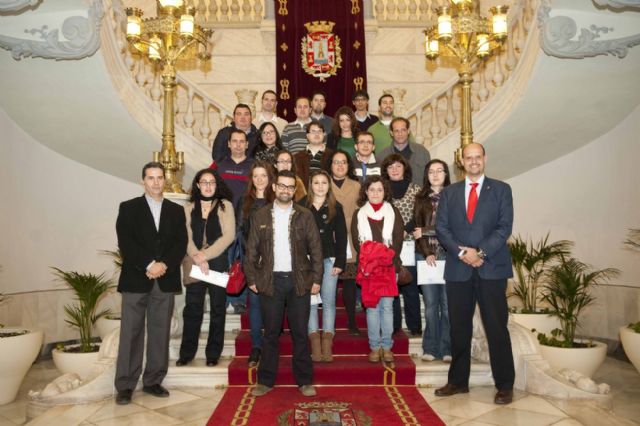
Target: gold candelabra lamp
[(461, 32), (171, 35)]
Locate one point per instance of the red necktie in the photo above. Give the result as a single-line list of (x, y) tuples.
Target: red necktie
[(473, 202)]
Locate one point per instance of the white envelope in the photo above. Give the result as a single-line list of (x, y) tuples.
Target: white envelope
[(216, 278), (315, 299), (430, 274), (408, 253)]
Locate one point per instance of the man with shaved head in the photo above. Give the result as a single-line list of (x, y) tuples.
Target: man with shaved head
[(473, 222)]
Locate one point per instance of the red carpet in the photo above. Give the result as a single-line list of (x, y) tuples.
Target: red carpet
[(334, 405)]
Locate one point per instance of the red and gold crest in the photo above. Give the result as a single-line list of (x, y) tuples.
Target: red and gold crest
[(321, 52)]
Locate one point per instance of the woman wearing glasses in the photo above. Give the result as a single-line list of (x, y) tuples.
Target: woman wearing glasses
[(211, 229), (259, 193), (345, 187), (329, 218), (268, 143), (436, 343), (284, 161)]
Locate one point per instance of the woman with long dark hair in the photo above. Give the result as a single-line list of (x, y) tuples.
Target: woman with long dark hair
[(436, 342), (211, 229), (378, 220), (284, 161), (345, 187), (397, 171), (343, 132), (268, 143), (330, 220), (259, 193)]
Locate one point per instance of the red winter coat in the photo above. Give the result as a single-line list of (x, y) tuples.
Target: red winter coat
[(376, 273)]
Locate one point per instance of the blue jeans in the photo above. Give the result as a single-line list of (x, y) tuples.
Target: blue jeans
[(328, 296), (380, 324), (255, 320), (436, 339)]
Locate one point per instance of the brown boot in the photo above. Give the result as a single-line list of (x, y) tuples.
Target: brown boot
[(316, 350), (387, 355), (327, 344)]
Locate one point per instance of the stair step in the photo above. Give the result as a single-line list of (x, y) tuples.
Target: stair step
[(345, 369), (343, 343), (435, 373), (341, 320)]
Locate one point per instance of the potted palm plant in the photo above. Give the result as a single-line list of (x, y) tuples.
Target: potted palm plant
[(107, 323), (20, 341), (568, 291), (630, 334), (531, 261), (88, 289)]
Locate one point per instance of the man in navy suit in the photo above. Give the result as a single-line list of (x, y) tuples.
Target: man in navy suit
[(152, 237), (473, 223)]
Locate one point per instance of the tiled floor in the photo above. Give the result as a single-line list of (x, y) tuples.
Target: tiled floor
[(193, 407)]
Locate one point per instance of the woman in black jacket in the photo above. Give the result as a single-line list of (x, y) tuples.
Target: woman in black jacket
[(329, 218)]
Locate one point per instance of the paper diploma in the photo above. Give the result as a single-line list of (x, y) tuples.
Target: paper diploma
[(216, 278), (430, 274)]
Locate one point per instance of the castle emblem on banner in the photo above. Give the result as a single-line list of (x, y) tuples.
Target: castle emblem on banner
[(321, 51)]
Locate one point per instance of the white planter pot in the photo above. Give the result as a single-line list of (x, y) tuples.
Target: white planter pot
[(105, 325), (631, 344), (74, 362), (18, 353), (583, 360), (542, 323)]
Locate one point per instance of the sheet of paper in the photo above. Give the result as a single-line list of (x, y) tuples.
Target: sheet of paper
[(315, 299), (216, 278), (408, 253), (430, 274)]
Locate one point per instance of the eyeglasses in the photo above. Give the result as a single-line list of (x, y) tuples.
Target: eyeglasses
[(283, 161), (339, 162), (269, 132), (316, 132), (283, 187), (207, 183), (436, 172)]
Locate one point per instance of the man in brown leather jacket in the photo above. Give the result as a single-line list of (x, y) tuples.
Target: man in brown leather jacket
[(283, 264)]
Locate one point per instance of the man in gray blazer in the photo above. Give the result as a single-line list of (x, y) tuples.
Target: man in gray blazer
[(473, 223), (416, 155)]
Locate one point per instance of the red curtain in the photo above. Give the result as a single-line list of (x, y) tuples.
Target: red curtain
[(328, 35)]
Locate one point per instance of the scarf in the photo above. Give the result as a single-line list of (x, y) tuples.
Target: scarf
[(386, 212)]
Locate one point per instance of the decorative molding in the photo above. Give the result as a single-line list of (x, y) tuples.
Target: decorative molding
[(82, 36), (618, 4), (556, 36), (15, 5)]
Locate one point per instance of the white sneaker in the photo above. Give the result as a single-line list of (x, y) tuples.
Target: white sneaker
[(447, 358), (428, 357)]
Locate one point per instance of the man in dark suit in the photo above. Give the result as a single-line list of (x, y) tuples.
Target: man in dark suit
[(152, 237), (473, 223)]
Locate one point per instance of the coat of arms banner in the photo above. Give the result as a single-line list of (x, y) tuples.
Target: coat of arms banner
[(319, 46)]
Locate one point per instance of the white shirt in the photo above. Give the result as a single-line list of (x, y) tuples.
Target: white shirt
[(281, 246), (467, 189), (280, 123), (156, 208)]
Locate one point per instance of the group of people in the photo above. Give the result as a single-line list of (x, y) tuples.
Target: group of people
[(301, 199)]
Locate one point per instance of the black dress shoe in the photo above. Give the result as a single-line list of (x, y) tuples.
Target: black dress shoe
[(503, 397), (212, 362), (182, 362), (450, 389), (124, 397), (354, 331), (416, 333), (254, 357), (156, 390)]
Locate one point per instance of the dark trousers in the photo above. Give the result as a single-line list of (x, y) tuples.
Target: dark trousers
[(156, 307), (349, 300), (192, 315), (273, 309), (411, 297), (491, 298)]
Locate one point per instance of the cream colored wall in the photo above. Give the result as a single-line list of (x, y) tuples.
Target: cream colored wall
[(54, 212), (591, 196)]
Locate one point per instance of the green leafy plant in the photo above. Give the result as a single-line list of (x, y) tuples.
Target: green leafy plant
[(635, 326), (530, 262), (568, 292), (88, 289), (633, 241), (116, 257)]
